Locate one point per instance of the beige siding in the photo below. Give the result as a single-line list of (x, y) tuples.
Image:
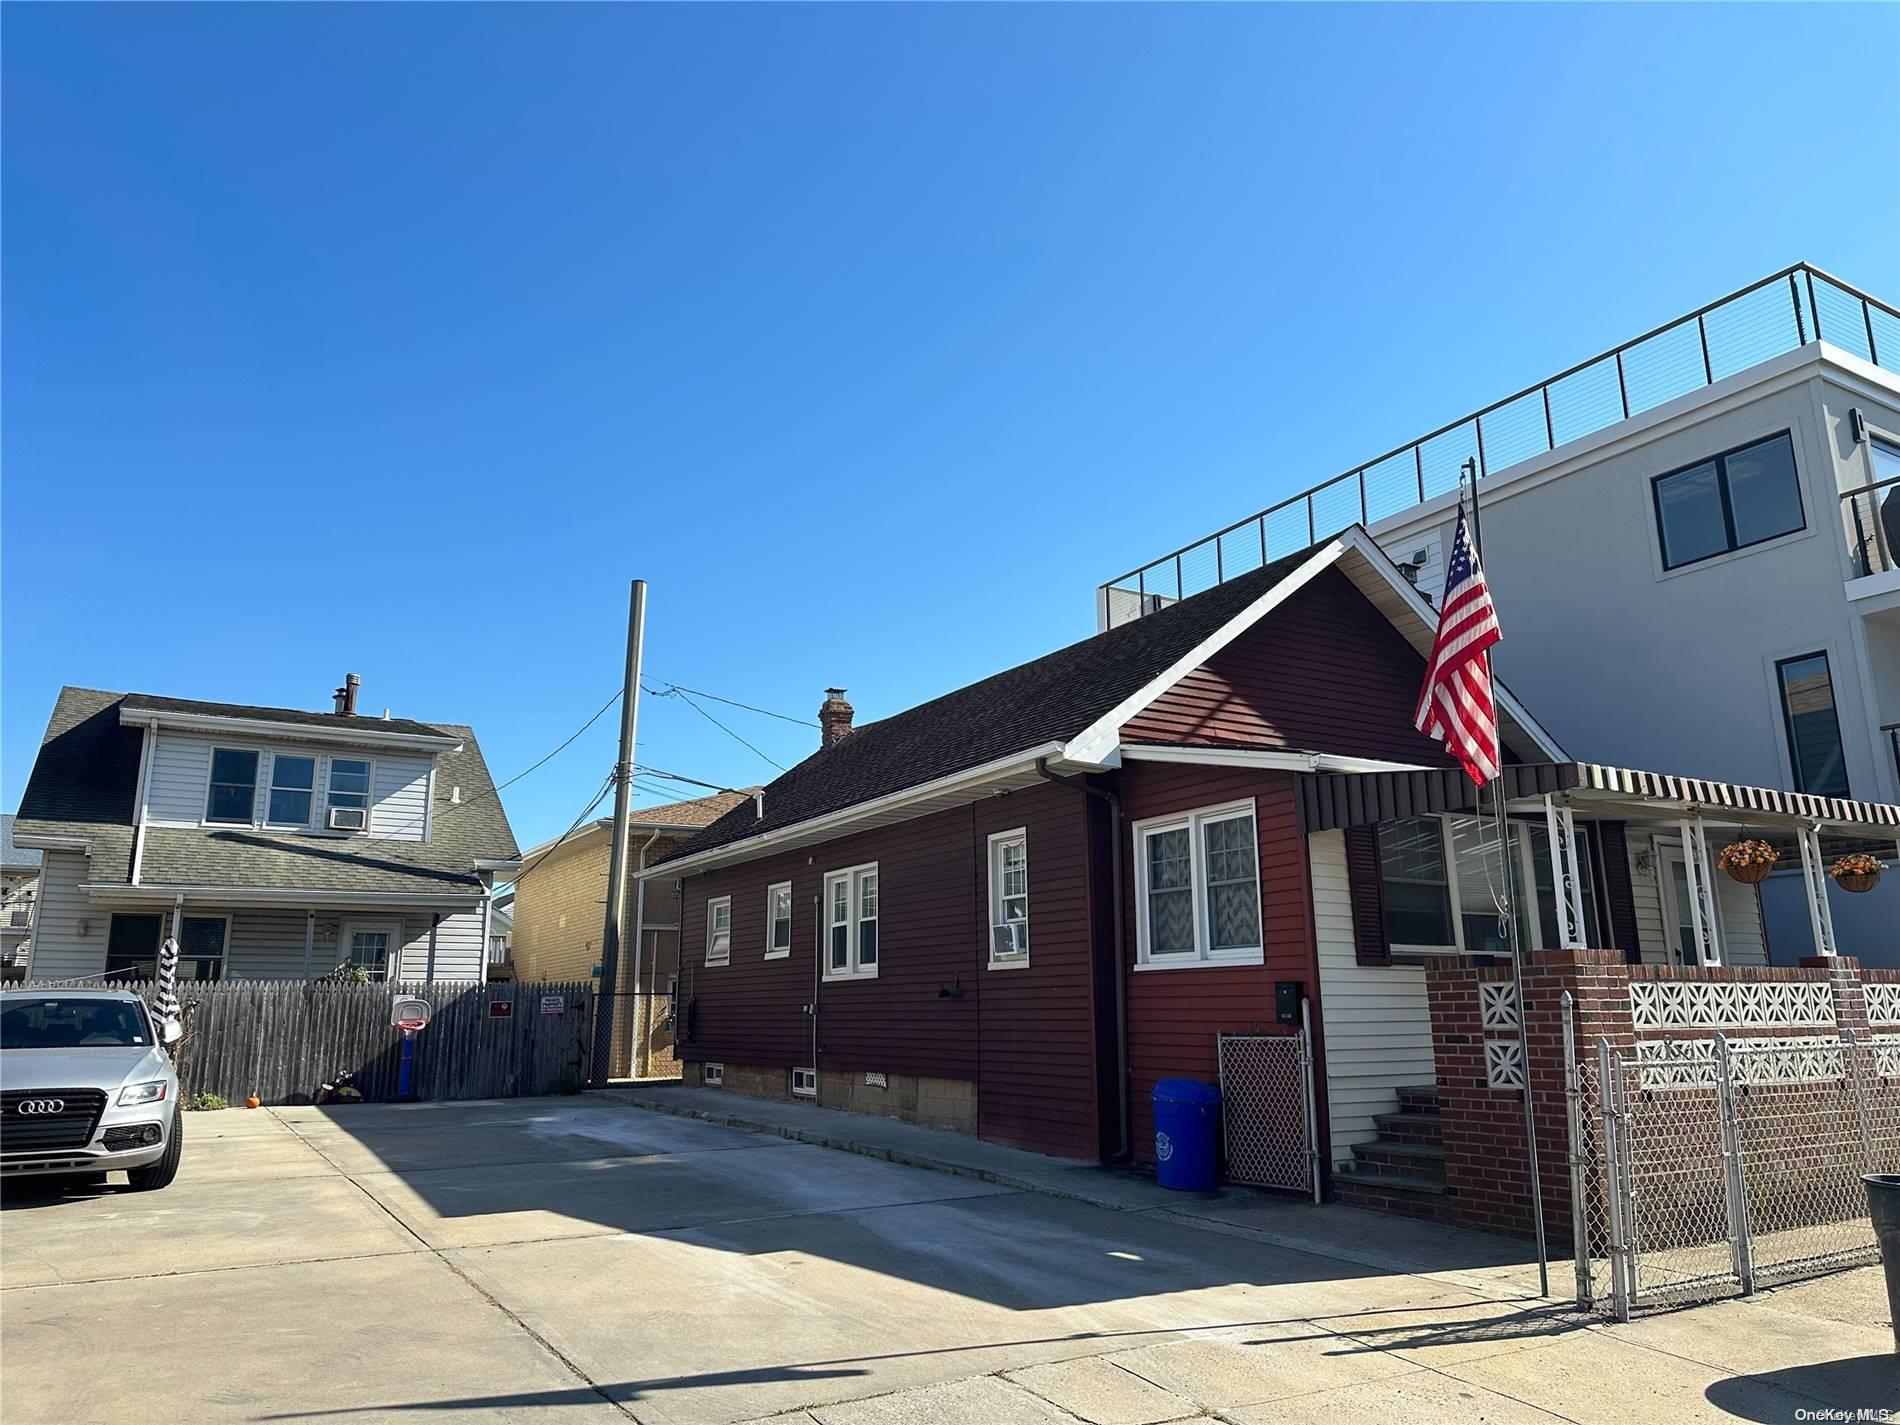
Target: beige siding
[(181, 774), (59, 951), (1378, 1029)]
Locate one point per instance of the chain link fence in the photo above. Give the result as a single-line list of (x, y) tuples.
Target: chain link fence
[(1704, 1168)]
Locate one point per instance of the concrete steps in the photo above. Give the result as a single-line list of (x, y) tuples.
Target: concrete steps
[(1403, 1170)]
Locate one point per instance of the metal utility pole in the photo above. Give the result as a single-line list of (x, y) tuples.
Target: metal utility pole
[(607, 1001)]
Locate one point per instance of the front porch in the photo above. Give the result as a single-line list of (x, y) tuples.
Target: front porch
[(1404, 873), (232, 938)]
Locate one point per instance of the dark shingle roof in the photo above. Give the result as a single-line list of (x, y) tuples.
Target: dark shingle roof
[(299, 716), (85, 784), (1050, 699), (11, 855)]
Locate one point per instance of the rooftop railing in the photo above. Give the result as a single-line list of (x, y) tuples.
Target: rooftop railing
[(1779, 313)]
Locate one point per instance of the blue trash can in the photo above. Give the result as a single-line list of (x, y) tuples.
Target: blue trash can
[(1187, 1126)]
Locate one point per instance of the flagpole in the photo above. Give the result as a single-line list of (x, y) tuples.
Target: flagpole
[(1509, 921)]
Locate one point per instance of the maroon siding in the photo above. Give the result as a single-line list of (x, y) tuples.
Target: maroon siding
[(1025, 1037), (1324, 672), (1175, 1014)]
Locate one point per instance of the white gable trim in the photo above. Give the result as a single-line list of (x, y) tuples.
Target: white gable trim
[(1265, 759), (1363, 562), (1101, 737)]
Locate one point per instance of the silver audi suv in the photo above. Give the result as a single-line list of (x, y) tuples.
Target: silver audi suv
[(86, 1086)]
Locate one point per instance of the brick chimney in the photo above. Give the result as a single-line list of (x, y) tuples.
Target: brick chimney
[(834, 718), (346, 695)]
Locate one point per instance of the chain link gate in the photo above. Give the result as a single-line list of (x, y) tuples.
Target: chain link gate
[(1703, 1168), (1269, 1118)]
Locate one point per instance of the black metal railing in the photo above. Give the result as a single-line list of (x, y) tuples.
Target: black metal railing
[(1891, 730), (1870, 518), (1779, 313)]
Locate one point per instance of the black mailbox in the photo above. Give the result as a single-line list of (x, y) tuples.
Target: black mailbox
[(1287, 995)]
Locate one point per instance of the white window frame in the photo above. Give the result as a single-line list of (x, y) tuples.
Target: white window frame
[(712, 1075), (369, 794), (1193, 822), (772, 893), (392, 967), (211, 769), (809, 1079), (853, 878), (998, 842), (718, 953), (1526, 869), (313, 791)]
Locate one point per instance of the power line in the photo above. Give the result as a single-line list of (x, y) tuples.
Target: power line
[(573, 826), (647, 771), (672, 688), (496, 790), (728, 731)]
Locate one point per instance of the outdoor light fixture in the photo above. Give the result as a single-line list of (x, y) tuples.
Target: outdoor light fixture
[(1858, 423)]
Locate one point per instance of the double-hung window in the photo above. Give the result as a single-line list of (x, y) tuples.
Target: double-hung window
[(849, 928), (202, 941), (1009, 898), (293, 782), (232, 797), (1739, 498), (1812, 725), (1198, 888), (349, 794), (778, 921), (719, 930)]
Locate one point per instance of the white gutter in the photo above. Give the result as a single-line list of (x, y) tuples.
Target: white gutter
[(639, 944), (497, 864), (148, 741), (53, 843), (278, 895), (296, 731), (823, 827), (1267, 760)]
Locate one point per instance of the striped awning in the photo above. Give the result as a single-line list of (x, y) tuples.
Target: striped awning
[(1329, 800)]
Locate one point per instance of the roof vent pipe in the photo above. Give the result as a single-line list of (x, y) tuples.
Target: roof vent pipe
[(346, 695)]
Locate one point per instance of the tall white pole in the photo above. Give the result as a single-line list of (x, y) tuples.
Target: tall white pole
[(607, 1000)]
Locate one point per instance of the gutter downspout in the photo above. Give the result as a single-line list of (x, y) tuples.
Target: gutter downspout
[(1123, 1123), (639, 944), (147, 745)]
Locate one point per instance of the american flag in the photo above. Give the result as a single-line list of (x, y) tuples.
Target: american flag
[(1455, 705)]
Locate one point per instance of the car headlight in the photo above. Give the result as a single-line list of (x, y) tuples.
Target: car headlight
[(154, 1092)]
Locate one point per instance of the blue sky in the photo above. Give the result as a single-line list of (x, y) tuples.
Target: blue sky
[(397, 339)]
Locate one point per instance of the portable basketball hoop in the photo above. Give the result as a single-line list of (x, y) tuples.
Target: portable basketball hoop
[(408, 1014)]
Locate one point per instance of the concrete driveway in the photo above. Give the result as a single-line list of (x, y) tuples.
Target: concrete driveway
[(563, 1259)]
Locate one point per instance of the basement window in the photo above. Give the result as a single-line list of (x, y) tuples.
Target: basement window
[(719, 930), (1197, 888), (712, 1075), (805, 1083)]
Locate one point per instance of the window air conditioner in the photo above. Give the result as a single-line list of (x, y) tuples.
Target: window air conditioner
[(348, 818), (1009, 940)]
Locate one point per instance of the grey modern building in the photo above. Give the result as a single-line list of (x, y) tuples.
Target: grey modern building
[(1694, 543)]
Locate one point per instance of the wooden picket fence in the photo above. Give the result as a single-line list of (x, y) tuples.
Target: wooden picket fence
[(282, 1040)]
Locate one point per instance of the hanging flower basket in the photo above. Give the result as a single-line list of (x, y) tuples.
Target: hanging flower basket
[(1856, 872), (1748, 861)]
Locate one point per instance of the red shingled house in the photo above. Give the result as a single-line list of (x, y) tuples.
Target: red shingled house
[(1014, 908)]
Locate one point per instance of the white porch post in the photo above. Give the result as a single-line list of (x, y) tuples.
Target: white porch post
[(1566, 879), (1814, 876), (309, 942), (1705, 917)]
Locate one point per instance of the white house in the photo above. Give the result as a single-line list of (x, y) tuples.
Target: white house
[(272, 842)]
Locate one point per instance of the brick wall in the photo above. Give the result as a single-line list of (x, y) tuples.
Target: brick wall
[(1486, 1165)]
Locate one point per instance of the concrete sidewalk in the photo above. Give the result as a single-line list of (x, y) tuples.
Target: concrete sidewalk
[(1347, 1234)]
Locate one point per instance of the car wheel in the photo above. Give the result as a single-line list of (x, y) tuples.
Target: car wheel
[(160, 1174)]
